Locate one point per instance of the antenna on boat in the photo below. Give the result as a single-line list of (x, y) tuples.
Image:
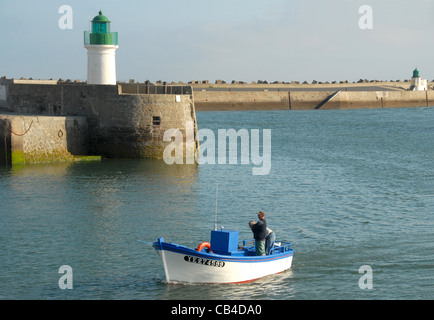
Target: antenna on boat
[(216, 206)]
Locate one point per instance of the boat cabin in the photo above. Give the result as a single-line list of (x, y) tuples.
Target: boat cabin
[(224, 242)]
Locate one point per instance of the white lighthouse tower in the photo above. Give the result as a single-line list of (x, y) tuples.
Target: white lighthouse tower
[(101, 45), (417, 83)]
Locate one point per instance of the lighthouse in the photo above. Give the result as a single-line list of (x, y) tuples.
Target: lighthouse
[(417, 83), (101, 45)]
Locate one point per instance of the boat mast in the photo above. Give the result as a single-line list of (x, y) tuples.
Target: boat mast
[(216, 206)]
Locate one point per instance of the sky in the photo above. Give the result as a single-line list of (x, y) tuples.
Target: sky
[(242, 40)]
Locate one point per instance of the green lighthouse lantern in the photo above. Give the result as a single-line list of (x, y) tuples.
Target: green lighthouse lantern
[(100, 32)]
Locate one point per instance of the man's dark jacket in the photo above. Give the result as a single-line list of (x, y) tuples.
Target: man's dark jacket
[(260, 230)]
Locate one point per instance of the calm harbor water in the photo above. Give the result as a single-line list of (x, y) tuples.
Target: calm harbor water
[(347, 188)]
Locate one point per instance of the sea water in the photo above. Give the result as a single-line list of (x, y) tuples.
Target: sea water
[(352, 190)]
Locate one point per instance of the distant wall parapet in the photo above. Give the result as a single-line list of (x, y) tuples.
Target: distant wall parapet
[(151, 88)]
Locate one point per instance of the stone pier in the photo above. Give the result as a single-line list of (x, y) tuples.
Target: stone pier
[(47, 120)]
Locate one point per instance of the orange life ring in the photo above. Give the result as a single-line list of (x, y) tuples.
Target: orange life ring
[(204, 244)]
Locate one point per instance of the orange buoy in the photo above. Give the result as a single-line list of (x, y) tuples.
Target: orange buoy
[(202, 245)]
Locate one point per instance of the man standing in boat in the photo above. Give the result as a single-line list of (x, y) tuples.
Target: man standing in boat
[(259, 230)]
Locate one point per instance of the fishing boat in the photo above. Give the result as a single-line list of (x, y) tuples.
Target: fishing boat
[(222, 260)]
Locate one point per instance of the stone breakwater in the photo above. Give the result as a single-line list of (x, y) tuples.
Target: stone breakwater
[(206, 100), (298, 96), (50, 120)]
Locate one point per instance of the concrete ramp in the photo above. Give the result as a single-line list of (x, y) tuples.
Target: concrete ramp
[(329, 98)]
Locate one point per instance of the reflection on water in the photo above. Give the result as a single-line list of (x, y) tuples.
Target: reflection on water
[(89, 216), (278, 286), (144, 167), (44, 169)]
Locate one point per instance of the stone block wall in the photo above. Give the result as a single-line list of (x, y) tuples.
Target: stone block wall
[(119, 124), (39, 139), (137, 124), (241, 100)]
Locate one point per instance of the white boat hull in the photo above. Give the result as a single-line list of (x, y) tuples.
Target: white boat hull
[(194, 267)]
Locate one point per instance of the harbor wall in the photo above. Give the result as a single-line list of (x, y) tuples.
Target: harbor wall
[(309, 100), (123, 121), (39, 139), (241, 100), (381, 99)]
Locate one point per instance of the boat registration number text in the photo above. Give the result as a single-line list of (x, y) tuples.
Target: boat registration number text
[(206, 262)]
